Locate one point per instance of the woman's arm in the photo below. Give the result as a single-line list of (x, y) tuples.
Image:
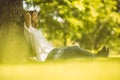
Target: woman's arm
[(27, 18)]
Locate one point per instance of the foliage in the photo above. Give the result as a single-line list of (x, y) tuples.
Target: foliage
[(91, 24)]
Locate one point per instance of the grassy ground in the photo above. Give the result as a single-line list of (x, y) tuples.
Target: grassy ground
[(71, 69)]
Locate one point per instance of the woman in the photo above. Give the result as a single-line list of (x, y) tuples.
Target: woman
[(34, 37), (44, 50)]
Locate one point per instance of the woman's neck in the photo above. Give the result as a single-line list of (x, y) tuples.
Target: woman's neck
[(34, 25)]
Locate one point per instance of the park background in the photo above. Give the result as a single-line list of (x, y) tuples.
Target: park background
[(90, 24)]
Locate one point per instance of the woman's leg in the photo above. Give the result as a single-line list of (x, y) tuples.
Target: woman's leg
[(69, 52), (53, 53), (77, 52)]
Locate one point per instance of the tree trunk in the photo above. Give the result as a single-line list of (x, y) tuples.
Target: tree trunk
[(10, 11), (13, 47)]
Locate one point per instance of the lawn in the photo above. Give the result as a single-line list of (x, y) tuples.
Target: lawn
[(70, 69)]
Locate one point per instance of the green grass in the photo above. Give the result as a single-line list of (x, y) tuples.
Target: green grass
[(70, 69)]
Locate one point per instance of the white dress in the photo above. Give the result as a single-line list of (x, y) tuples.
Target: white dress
[(38, 42)]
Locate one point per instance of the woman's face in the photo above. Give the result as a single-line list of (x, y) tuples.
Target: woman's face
[(34, 17)]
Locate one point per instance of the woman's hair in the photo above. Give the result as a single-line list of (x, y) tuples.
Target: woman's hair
[(31, 12)]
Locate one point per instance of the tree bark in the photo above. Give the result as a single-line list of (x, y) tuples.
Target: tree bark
[(10, 11), (13, 48)]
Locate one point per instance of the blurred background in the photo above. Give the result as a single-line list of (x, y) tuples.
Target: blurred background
[(90, 24)]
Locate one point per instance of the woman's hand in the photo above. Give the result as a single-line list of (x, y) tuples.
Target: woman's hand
[(27, 18)]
